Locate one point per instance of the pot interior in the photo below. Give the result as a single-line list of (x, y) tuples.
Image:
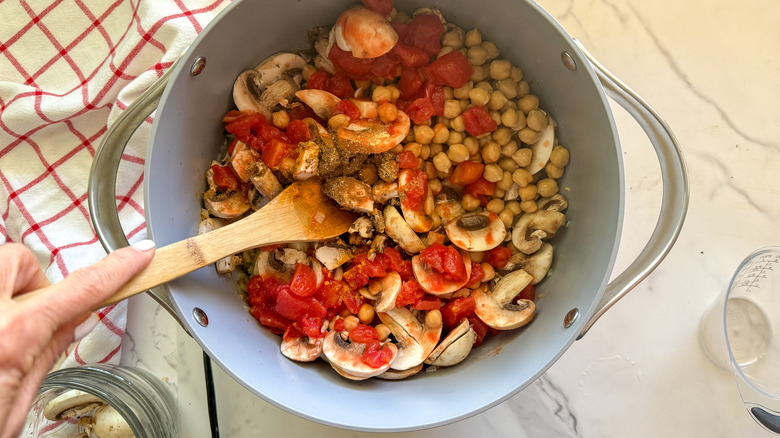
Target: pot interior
[(187, 135)]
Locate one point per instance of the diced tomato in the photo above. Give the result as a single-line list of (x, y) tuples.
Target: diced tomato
[(454, 311), (528, 293), (402, 29), (476, 275), (224, 177), (425, 32), (340, 85), (231, 116), (247, 127), (348, 108), (420, 110), (275, 151), (478, 121), (362, 270), (386, 66), (480, 328), (304, 281), (428, 303), (411, 56), (445, 260), (344, 62), (317, 80), (379, 6), (416, 190), (467, 172), (290, 305), (407, 160), (452, 69), (376, 357), (411, 292), (291, 333), (271, 319), (299, 111), (480, 189), (391, 260), (270, 132), (498, 257), (310, 326), (298, 132), (411, 81), (338, 325), (437, 99), (363, 334)]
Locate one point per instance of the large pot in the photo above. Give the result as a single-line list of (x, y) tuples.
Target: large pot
[(187, 134)]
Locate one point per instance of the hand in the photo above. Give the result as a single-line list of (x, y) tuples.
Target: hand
[(35, 332)]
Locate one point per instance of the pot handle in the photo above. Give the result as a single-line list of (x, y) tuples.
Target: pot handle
[(101, 191), (674, 204)]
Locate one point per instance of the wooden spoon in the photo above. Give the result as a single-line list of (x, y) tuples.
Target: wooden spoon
[(300, 213)]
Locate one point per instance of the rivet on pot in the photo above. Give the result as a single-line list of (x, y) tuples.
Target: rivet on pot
[(200, 316), (570, 317), (198, 66), (568, 61)]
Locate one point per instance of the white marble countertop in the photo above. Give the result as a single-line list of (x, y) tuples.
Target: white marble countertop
[(711, 70)]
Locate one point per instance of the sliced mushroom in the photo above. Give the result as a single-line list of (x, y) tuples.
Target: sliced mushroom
[(227, 205), (332, 256), (345, 357), (384, 191), (434, 237), (320, 44), (362, 227), (385, 290), (272, 82), (71, 404), (109, 424), (282, 64), (316, 266), (302, 349), (398, 230), (307, 163), (350, 193), (416, 335), (512, 193), (536, 264), (368, 109), (224, 265), (555, 202), (477, 231), (323, 103), (392, 374), (433, 282), (495, 307), (242, 160), (531, 228), (448, 205), (541, 150), (415, 217), (279, 263), (455, 347), (264, 180)]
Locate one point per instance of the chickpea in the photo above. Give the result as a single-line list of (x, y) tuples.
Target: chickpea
[(497, 101), (423, 134), (451, 108), (425, 151), (281, 119), (458, 153), (430, 170), (454, 137), (433, 319), (553, 171), (500, 69), (488, 272), (444, 50), (440, 133), (547, 187), (414, 148), (480, 73), (469, 203), (452, 39), (458, 124), (496, 205), (463, 92), (338, 121), (528, 193), (395, 92), (507, 164), (368, 174), (499, 193), (491, 152), (381, 94), (496, 116), (473, 38), (435, 149), (511, 119), (383, 331), (472, 144), (435, 219), (522, 177), (351, 322), (493, 173), (485, 85), (479, 96), (508, 87), (387, 112), (537, 119), (523, 157), (429, 204), (366, 313), (507, 217), (442, 162), (476, 256), (529, 206), (516, 74), (523, 88), (448, 93), (528, 135), (502, 135), (464, 104), (509, 149), (506, 181), (434, 185), (559, 156), (527, 103), (514, 206), (491, 48)]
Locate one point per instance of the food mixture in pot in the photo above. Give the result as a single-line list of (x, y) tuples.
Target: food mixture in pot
[(439, 146)]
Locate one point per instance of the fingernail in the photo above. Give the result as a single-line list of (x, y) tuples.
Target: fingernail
[(143, 245), (85, 327)]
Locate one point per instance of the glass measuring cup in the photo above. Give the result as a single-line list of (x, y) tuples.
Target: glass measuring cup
[(738, 333)]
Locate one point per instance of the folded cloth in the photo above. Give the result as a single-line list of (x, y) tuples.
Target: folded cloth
[(67, 70)]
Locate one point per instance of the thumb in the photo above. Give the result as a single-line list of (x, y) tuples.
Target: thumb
[(87, 287)]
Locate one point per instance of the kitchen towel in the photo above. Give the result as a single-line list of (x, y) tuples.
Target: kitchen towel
[(68, 68)]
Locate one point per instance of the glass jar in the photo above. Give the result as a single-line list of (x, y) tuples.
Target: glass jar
[(145, 403)]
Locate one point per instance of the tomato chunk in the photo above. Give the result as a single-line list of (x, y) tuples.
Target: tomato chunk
[(224, 177), (420, 110), (425, 32), (376, 357), (452, 69), (407, 160), (411, 292), (304, 281), (363, 334), (290, 305), (379, 6), (298, 132), (467, 172), (478, 121), (275, 151), (454, 311), (498, 257), (445, 260)]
